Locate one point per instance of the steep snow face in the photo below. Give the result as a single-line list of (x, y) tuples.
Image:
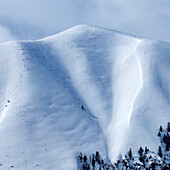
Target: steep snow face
[(123, 83), (42, 123), (126, 85)]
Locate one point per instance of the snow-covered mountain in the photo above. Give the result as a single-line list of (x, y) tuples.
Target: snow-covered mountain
[(123, 83)]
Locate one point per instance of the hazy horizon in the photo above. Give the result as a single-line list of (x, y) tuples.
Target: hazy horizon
[(37, 19)]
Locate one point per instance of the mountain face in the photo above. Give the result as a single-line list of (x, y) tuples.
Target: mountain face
[(82, 90)]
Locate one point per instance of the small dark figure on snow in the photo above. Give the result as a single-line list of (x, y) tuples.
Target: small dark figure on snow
[(82, 107)]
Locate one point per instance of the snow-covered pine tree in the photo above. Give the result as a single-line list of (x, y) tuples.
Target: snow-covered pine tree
[(145, 159)]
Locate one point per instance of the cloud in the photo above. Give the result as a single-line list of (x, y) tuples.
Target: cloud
[(32, 19), (5, 35), (149, 19)]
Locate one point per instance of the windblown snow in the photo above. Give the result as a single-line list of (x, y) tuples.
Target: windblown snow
[(122, 81)]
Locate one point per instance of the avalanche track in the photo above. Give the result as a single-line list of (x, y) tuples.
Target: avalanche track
[(122, 81)]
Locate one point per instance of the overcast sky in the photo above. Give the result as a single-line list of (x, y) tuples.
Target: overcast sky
[(32, 19)]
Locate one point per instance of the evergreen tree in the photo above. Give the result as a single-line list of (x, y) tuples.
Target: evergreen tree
[(160, 151), (140, 151), (141, 155), (130, 154), (120, 162), (164, 139), (159, 134), (93, 161), (97, 157), (148, 160), (88, 167), (153, 165), (168, 127), (160, 129), (80, 157), (146, 150), (85, 158), (90, 159), (167, 142)]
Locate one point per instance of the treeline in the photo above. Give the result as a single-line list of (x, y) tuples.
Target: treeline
[(144, 159)]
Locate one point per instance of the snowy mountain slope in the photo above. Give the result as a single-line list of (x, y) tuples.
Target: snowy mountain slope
[(122, 81)]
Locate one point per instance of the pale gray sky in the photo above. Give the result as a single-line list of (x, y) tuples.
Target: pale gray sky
[(32, 19)]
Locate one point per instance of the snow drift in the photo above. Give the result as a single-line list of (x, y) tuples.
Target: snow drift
[(122, 81)]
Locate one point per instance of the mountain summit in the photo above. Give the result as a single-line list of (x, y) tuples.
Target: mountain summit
[(82, 90)]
